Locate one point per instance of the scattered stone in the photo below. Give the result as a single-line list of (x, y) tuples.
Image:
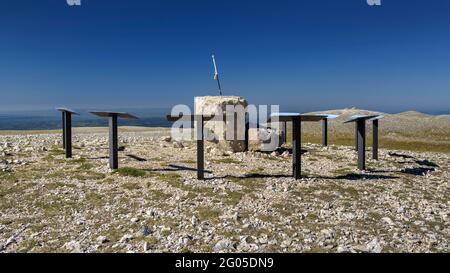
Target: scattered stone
[(166, 138), (286, 243), (146, 246), (223, 245), (194, 220), (178, 145), (360, 248), (388, 221), (344, 249), (102, 239), (374, 246), (126, 238), (73, 246), (146, 231)]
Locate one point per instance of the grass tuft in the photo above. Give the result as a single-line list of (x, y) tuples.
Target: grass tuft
[(227, 161), (133, 172)]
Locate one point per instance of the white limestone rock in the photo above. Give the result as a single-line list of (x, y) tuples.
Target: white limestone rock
[(215, 131)]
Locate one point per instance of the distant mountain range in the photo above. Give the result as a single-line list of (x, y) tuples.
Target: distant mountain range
[(405, 122)]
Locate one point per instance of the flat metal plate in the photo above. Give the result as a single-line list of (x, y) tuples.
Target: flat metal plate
[(332, 116), (377, 118), (62, 109), (283, 116), (105, 114), (190, 117), (313, 117), (359, 117)]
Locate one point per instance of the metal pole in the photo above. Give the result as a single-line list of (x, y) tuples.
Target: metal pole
[(283, 132), (361, 125), (296, 147), (216, 74), (68, 134), (200, 148), (247, 127), (356, 136), (63, 113), (218, 83), (375, 140), (113, 143), (325, 132)]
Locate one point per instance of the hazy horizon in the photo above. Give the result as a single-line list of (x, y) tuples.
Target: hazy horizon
[(162, 111)]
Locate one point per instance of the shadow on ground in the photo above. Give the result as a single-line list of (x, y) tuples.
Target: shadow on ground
[(175, 168), (418, 171), (137, 158), (249, 176)]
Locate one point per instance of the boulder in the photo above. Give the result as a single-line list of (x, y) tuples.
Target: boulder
[(263, 139), (216, 130)]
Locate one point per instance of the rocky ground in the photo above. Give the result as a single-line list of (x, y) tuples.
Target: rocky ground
[(249, 202)]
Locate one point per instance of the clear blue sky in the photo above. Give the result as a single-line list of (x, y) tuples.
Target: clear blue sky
[(316, 54)]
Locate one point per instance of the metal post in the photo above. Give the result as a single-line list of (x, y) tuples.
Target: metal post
[(296, 147), (356, 136), (68, 134), (63, 113), (247, 128), (361, 125), (200, 148), (375, 140), (113, 143), (325, 132), (283, 132)]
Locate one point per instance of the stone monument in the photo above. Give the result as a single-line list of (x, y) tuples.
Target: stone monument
[(215, 130)]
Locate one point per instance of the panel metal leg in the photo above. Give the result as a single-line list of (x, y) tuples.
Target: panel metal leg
[(296, 147), (325, 132), (361, 125), (375, 140), (68, 134), (200, 148), (63, 114), (356, 136), (284, 132), (113, 143), (247, 128)]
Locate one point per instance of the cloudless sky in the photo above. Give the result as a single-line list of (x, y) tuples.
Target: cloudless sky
[(306, 55)]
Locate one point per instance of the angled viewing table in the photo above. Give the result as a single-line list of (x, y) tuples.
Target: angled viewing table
[(295, 118), (113, 140), (199, 124), (313, 118), (67, 129), (360, 135), (324, 119)]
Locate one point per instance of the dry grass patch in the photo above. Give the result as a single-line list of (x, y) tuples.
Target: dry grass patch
[(128, 171)]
